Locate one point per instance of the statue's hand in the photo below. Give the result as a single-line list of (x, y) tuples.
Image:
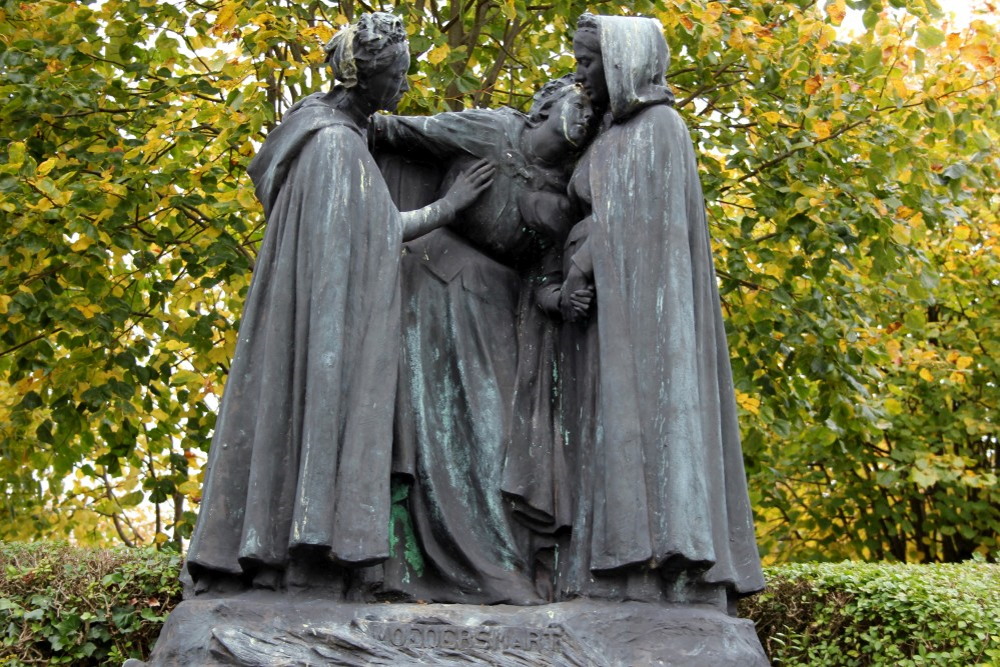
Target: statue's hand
[(548, 301), (576, 295), (580, 300), (471, 183)]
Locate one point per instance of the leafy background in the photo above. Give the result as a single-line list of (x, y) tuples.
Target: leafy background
[(851, 183)]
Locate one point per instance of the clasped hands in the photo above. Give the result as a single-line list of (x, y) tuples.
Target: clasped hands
[(575, 295)]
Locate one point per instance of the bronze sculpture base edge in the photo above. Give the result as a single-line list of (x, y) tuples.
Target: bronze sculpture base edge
[(259, 632)]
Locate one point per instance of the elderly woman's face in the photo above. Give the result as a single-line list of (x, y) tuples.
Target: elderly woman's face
[(590, 68), (386, 87)]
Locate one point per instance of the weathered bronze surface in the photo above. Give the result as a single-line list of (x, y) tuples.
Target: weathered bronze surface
[(515, 392)]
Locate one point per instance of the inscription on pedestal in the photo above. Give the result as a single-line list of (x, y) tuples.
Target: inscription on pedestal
[(458, 638)]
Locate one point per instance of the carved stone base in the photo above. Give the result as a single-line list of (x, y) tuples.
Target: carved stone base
[(582, 632)]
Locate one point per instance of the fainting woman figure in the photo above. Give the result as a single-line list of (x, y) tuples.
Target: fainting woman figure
[(475, 342), (662, 510), (297, 488)]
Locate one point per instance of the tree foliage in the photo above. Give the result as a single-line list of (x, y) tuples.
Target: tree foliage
[(852, 194)]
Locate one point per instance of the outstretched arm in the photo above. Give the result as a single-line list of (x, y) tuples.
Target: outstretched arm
[(472, 132), (466, 188)]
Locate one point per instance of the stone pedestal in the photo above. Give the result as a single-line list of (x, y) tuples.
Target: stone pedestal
[(253, 632)]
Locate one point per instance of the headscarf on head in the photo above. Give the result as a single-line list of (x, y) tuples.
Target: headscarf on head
[(635, 59), (340, 55), (367, 40)]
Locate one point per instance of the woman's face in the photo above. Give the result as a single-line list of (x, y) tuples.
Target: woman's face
[(386, 87), (570, 119), (590, 68)]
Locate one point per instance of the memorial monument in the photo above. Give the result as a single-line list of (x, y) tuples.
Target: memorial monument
[(539, 384)]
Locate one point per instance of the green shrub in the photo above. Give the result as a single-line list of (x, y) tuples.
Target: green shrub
[(65, 605), (849, 614)]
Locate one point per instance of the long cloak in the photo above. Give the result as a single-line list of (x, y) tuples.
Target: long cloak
[(301, 454), (661, 484), (459, 365)]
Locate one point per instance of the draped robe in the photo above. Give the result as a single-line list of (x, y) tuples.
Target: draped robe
[(301, 454), (659, 479)]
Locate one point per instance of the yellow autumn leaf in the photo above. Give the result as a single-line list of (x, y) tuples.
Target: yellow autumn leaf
[(813, 84), (437, 54), (46, 166), (225, 20), (893, 407), (900, 234), (713, 11), (837, 10), (262, 19), (81, 244), (190, 488), (978, 55), (15, 154), (963, 362), (749, 403), (821, 129), (926, 375), (736, 39), (827, 34)]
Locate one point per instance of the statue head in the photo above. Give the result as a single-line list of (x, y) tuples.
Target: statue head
[(562, 107), (622, 62), (372, 55)]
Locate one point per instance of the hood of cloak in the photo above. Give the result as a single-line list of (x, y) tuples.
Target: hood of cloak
[(635, 58)]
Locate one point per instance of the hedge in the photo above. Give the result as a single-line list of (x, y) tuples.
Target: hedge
[(851, 614), (61, 605), (65, 605)]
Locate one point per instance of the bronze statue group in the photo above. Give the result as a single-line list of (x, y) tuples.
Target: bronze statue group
[(529, 362)]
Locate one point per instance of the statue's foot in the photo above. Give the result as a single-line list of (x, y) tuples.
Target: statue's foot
[(525, 601), (315, 576), (522, 595), (689, 590), (268, 579), (211, 582)]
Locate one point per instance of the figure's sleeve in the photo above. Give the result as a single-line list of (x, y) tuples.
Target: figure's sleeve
[(427, 219), (549, 282), (475, 132), (579, 240)]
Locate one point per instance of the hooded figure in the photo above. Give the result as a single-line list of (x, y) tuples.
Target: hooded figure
[(662, 509)]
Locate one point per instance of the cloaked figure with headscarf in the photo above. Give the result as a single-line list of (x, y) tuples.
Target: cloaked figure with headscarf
[(297, 487), (662, 511)]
